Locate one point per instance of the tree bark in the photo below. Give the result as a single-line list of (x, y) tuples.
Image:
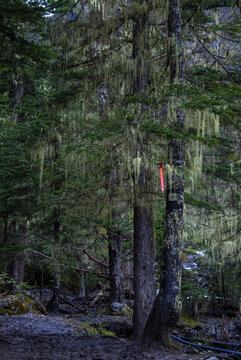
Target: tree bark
[(114, 235), (16, 268), (115, 244), (167, 305), (18, 92), (144, 282), (82, 291), (117, 292), (16, 259), (54, 302)]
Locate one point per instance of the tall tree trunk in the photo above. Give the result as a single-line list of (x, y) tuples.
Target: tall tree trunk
[(117, 292), (115, 244), (54, 302), (84, 259), (18, 92), (16, 259), (114, 235), (167, 305), (82, 291), (144, 283), (224, 289)]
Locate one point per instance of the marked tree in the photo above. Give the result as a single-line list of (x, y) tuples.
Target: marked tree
[(167, 305)]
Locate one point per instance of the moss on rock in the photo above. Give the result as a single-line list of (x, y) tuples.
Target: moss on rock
[(16, 304)]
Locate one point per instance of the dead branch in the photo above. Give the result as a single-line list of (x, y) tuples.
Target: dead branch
[(71, 304)]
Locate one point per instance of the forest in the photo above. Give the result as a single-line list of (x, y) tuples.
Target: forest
[(120, 177)]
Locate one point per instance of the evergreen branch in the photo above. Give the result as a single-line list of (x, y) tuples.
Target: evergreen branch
[(192, 14), (224, 38), (105, 276)]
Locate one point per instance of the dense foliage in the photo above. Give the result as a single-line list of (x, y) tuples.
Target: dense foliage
[(75, 132)]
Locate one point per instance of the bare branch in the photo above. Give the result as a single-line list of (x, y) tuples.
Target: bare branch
[(218, 61)]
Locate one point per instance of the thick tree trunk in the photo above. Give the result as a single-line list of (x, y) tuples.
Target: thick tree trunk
[(143, 266), (144, 282), (167, 305)]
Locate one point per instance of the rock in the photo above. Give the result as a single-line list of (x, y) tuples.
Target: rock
[(121, 329), (232, 327), (213, 331), (116, 308), (191, 350), (237, 324), (16, 305), (121, 309), (67, 310), (197, 327), (193, 333)]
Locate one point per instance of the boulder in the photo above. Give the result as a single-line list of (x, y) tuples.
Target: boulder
[(121, 309), (116, 308), (16, 304)]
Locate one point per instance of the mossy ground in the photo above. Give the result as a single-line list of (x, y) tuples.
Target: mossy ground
[(189, 321), (16, 304)]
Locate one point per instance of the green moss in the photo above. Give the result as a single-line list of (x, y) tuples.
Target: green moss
[(189, 321), (16, 304), (89, 329), (103, 331), (127, 311), (12, 304)]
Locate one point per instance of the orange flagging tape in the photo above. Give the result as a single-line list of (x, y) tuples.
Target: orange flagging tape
[(161, 177)]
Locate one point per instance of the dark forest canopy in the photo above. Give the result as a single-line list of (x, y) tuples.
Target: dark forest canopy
[(94, 96)]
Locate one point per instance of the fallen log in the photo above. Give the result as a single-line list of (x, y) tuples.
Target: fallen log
[(68, 302)]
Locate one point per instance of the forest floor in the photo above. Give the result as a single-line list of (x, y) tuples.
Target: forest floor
[(76, 336), (40, 337)]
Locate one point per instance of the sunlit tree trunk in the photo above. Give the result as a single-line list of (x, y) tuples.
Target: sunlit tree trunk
[(166, 308), (143, 223)]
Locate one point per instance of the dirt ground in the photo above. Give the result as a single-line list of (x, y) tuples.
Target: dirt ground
[(39, 337)]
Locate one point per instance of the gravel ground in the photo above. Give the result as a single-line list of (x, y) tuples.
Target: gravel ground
[(39, 337)]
